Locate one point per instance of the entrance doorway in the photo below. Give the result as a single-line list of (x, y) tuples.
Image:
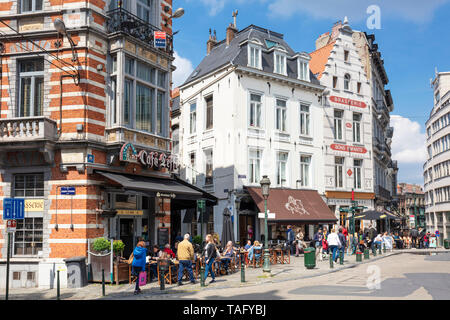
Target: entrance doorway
[(126, 235), (244, 222)]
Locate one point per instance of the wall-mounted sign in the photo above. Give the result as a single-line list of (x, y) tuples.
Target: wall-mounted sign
[(90, 158), (13, 208), (152, 159), (348, 102), (345, 148), (349, 172), (34, 205), (160, 39), (130, 212), (165, 195), (68, 191), (348, 125)]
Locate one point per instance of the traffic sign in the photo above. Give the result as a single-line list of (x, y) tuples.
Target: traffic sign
[(11, 226), (67, 191), (13, 208)]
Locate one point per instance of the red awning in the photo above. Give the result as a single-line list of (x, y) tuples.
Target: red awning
[(292, 205)]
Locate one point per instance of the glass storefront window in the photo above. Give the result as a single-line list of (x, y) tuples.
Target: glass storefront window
[(126, 201)]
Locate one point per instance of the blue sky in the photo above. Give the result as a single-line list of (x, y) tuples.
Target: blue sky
[(413, 39)]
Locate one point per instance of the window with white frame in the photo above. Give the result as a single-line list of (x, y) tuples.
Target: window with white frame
[(209, 167), (31, 97), (338, 118), (357, 127), (254, 57), (30, 5), (339, 172), (254, 165), (282, 159), (305, 119), (305, 168), (281, 115), (303, 70), (28, 238), (209, 113), (347, 79), (255, 111), (280, 63), (357, 167), (193, 118)]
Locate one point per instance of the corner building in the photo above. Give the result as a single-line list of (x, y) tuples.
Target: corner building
[(91, 114)]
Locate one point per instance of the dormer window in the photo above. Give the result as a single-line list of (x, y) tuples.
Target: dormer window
[(254, 57), (303, 70), (280, 63)]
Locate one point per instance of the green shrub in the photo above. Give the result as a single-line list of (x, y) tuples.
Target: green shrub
[(197, 240), (101, 244), (118, 246)]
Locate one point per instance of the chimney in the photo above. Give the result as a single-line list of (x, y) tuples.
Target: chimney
[(211, 42), (231, 33), (335, 30)]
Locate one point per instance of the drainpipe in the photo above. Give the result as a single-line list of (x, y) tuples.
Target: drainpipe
[(60, 100)]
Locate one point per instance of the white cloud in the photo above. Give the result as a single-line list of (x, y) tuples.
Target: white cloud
[(184, 69), (408, 143), (214, 5), (411, 10)]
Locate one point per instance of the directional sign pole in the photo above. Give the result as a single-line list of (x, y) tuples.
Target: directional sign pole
[(7, 265)]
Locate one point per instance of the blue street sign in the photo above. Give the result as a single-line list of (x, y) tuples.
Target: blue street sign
[(13, 208), (67, 191), (90, 158)]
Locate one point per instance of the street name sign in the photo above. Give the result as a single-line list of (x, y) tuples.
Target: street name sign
[(270, 215), (67, 191)]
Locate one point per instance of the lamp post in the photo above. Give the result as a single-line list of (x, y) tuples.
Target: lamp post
[(177, 14), (265, 188)]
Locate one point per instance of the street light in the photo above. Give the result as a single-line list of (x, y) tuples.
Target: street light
[(265, 188), (177, 14), (60, 26)]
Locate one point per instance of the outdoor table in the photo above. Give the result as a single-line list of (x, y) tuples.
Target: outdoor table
[(147, 269)]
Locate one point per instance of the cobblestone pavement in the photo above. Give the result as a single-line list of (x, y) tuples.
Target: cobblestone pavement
[(282, 275)]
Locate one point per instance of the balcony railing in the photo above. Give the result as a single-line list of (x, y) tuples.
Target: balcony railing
[(382, 192), (138, 138), (27, 129), (121, 20)]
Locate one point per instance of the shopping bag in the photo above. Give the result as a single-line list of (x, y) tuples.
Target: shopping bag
[(142, 278)]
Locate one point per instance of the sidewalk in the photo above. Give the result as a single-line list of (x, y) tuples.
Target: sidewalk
[(280, 272)]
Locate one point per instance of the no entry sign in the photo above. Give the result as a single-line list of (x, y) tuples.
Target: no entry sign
[(11, 225)]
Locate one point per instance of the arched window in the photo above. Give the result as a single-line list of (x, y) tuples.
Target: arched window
[(347, 82)]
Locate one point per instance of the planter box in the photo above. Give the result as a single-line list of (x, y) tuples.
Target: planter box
[(121, 272)]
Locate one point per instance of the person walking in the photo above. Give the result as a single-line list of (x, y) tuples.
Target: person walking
[(333, 244), (372, 234), (138, 264), (318, 238), (290, 236), (414, 234), (300, 245), (185, 255), (210, 254), (343, 242)]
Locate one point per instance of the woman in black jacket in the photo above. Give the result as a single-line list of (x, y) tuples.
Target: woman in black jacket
[(210, 255)]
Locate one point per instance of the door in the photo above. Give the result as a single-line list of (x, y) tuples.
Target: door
[(126, 235), (246, 228)]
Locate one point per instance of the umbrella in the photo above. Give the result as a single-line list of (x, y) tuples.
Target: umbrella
[(373, 215), (227, 228)]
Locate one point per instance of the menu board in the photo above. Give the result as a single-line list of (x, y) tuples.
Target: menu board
[(163, 236)]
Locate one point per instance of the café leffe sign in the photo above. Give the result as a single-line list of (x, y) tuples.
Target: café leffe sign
[(348, 102), (151, 159)]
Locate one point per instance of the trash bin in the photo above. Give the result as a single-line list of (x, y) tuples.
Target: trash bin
[(359, 256), (447, 244), (366, 254), (76, 272), (310, 258)]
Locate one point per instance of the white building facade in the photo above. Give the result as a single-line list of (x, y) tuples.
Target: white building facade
[(255, 112), (437, 167)]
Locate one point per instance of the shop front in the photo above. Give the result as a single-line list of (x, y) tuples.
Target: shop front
[(303, 210)]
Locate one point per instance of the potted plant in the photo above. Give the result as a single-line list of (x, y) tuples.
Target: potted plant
[(101, 245), (100, 259), (118, 247), (121, 267)]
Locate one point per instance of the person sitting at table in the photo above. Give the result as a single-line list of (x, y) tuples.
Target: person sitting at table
[(175, 247), (169, 251), (256, 245), (248, 245), (228, 254), (153, 257)]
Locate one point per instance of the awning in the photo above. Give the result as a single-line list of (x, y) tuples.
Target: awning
[(291, 205), (153, 186), (375, 215)]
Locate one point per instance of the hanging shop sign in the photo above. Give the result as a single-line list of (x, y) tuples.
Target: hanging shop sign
[(130, 212), (348, 102), (150, 159), (160, 39), (345, 148), (166, 195)]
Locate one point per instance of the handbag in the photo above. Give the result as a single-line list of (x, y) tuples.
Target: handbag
[(142, 278)]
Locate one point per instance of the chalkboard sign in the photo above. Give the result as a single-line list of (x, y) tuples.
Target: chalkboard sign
[(163, 236)]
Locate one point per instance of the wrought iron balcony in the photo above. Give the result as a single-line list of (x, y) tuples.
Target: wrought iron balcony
[(121, 20), (382, 192)]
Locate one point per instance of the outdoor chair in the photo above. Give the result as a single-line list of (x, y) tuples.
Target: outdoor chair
[(257, 259), (286, 255), (170, 276)]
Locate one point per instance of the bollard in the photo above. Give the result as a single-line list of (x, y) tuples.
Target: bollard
[(58, 293), (162, 281), (103, 282), (374, 251), (379, 250), (359, 256), (341, 257), (384, 247), (202, 275), (331, 261), (242, 267), (366, 254), (163, 266)]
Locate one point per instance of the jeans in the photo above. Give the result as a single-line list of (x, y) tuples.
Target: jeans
[(135, 271), (377, 244), (185, 264), (226, 263), (209, 269), (334, 250), (414, 242), (153, 271)]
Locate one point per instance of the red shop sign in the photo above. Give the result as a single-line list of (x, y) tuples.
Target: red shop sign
[(348, 125), (349, 102), (345, 148)]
